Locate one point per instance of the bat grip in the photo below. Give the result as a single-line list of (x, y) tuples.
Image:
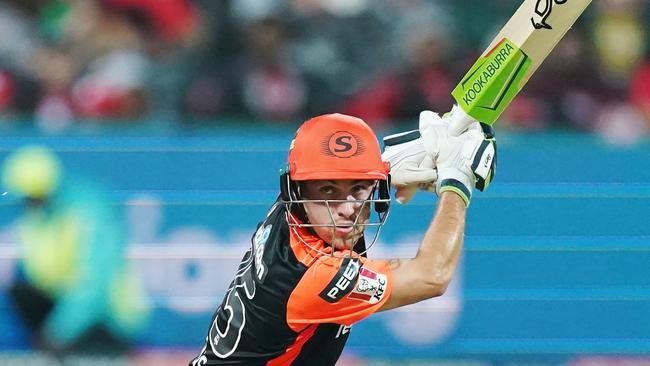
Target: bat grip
[(459, 120)]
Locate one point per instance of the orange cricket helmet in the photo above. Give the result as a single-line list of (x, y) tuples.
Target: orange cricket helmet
[(336, 146)]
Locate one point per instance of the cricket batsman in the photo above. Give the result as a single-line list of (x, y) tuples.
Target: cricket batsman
[(306, 278)]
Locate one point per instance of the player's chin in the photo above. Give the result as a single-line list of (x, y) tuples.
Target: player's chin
[(346, 242)]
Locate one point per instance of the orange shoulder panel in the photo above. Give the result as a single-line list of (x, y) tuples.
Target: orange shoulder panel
[(339, 290)]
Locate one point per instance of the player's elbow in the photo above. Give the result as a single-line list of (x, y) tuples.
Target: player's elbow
[(438, 281)]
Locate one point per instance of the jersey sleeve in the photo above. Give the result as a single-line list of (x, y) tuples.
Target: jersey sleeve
[(339, 290)]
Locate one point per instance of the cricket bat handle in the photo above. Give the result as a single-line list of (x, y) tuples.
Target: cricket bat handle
[(459, 121)]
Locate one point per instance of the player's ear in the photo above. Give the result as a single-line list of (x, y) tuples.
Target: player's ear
[(288, 188)]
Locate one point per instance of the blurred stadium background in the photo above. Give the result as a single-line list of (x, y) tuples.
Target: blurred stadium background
[(185, 109)]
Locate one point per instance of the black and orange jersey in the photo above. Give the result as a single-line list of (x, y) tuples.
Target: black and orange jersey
[(292, 303)]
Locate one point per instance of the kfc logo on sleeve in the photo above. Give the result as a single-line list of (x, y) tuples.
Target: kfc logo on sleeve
[(370, 286)]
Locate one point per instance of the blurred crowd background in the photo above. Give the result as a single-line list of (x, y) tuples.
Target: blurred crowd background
[(67, 63)]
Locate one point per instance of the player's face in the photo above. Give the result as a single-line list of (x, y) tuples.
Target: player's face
[(343, 218)]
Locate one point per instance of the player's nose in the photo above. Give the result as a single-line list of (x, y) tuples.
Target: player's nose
[(349, 208)]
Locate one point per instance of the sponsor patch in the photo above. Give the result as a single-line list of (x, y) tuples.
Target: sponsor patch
[(343, 281), (259, 242), (370, 286)]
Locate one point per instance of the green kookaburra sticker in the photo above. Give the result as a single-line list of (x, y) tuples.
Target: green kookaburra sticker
[(492, 83)]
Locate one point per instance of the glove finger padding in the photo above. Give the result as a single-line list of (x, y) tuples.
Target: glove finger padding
[(484, 164), (454, 163), (488, 131), (467, 162), (434, 131), (485, 161), (425, 175), (410, 165), (414, 175)]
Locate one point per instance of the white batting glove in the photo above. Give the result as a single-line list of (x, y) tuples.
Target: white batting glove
[(410, 165), (435, 132), (466, 162), (412, 156)]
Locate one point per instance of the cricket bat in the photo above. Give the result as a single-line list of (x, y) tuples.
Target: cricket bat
[(511, 59)]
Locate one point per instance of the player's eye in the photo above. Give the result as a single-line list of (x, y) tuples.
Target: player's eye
[(362, 191), (327, 190), (359, 189)]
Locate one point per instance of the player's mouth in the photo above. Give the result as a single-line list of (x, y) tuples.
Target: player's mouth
[(343, 230)]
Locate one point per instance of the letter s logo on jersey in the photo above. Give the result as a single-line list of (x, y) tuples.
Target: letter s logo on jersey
[(343, 282)]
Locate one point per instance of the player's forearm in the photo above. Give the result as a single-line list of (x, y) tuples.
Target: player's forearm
[(440, 250)]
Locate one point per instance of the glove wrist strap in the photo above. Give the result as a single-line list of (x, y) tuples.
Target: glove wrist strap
[(456, 181)]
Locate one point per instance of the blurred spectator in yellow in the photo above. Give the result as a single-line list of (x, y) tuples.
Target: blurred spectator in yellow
[(620, 39), (73, 289)]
